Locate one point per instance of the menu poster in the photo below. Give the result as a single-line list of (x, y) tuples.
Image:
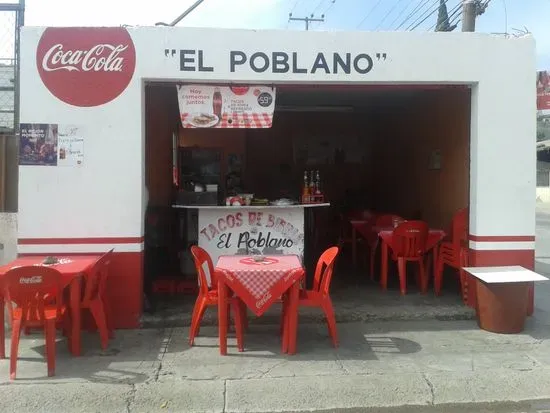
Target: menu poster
[(209, 106), (543, 105), (38, 144), (71, 146)]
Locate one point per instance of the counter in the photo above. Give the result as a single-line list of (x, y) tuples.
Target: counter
[(249, 230)]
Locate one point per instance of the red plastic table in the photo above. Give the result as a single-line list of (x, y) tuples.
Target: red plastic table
[(72, 268), (259, 285), (386, 235)]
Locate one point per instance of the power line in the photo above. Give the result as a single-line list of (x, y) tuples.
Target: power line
[(428, 16), (388, 14), (412, 13), (294, 7), (292, 11), (424, 16), (317, 8), (400, 13), (369, 13), (331, 5), (452, 14)]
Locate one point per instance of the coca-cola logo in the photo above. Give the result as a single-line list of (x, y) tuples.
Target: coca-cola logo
[(35, 279), (86, 66)]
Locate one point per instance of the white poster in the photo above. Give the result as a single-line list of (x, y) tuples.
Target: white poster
[(208, 106), (70, 146), (249, 231)]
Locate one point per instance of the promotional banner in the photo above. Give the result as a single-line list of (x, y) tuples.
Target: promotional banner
[(266, 231), (207, 106), (543, 105)]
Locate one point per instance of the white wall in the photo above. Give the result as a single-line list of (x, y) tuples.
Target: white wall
[(104, 197)]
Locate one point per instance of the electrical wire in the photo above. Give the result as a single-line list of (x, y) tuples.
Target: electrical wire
[(427, 17), (294, 7), (505, 14), (331, 5), (422, 18), (388, 14), (400, 13), (450, 15), (369, 13), (318, 6), (421, 4)]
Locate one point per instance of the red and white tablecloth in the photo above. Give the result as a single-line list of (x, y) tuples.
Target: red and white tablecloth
[(259, 284), (237, 120)]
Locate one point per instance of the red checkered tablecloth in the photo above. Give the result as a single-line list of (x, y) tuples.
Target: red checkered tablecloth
[(259, 284), (237, 120)]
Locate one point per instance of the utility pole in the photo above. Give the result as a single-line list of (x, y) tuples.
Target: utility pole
[(306, 19), (470, 10)]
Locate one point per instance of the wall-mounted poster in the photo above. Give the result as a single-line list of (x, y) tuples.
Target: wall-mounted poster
[(50, 144), (207, 106), (38, 144), (543, 106), (71, 146)]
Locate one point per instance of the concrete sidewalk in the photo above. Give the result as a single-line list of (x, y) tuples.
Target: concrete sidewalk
[(436, 365)]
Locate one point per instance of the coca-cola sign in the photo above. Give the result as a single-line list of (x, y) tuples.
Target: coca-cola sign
[(86, 66)]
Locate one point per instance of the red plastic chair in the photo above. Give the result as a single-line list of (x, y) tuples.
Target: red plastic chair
[(319, 296), (37, 291), (381, 221), (208, 297), (95, 298), (451, 252), (409, 245)]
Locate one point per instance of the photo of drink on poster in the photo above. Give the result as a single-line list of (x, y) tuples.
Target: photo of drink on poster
[(71, 146), (38, 144), (208, 106)]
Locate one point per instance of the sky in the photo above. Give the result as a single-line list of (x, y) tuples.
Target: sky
[(502, 16)]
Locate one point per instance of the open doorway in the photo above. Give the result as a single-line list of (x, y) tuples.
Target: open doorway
[(399, 149)]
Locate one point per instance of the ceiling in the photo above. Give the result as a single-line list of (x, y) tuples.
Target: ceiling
[(356, 97)]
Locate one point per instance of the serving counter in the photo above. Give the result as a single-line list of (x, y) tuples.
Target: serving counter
[(250, 230)]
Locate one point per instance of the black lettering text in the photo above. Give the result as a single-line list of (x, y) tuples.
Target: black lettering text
[(187, 63), (280, 62), (320, 63), (202, 67), (236, 58), (295, 68), (340, 63), (254, 62), (362, 68)]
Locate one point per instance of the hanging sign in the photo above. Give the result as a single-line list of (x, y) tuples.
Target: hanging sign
[(207, 106)]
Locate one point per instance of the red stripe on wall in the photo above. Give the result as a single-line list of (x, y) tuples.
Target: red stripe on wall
[(502, 238), (106, 240)]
